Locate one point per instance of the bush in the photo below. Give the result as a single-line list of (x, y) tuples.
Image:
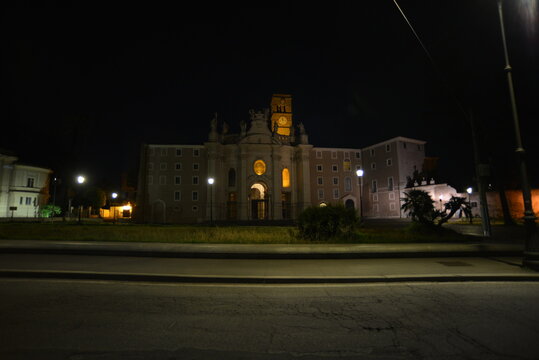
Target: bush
[(322, 223)]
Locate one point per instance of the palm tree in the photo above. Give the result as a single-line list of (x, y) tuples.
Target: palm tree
[(420, 206), (453, 205)]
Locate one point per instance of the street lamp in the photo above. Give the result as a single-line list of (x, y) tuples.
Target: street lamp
[(360, 173), (210, 182), (80, 180), (113, 196), (531, 248), (469, 191)]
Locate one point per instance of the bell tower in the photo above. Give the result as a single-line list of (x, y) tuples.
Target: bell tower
[(281, 114)]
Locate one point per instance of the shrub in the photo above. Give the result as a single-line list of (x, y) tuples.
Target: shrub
[(322, 223)]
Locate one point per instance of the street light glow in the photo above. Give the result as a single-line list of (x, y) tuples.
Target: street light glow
[(359, 172), (114, 195), (469, 190), (210, 181), (81, 179)]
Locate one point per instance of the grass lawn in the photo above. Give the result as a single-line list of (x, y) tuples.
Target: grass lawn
[(206, 234)]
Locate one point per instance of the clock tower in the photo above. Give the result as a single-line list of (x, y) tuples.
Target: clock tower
[(281, 114)]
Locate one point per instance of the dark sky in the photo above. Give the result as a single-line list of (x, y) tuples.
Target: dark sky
[(84, 87)]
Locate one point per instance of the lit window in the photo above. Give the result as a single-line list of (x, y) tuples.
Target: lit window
[(286, 178), (347, 165), (259, 167)]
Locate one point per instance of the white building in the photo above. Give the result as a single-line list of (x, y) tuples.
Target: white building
[(24, 189)]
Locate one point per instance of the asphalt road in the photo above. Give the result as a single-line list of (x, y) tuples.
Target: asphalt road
[(80, 320)]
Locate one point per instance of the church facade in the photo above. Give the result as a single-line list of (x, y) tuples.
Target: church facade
[(270, 171)]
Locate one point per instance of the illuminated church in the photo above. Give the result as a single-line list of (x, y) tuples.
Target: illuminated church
[(269, 171)]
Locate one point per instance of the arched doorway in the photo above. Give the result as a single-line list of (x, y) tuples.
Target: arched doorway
[(259, 201), (349, 204), (158, 212)]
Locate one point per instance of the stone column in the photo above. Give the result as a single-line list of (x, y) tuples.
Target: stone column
[(277, 183), (304, 176), (242, 184)]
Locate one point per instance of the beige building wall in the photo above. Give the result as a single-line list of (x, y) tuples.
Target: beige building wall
[(333, 176)]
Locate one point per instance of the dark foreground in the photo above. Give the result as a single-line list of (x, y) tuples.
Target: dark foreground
[(67, 319)]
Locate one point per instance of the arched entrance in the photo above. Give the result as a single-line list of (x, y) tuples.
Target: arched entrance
[(259, 201), (349, 204), (158, 212)]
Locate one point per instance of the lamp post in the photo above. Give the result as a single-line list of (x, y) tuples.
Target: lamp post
[(112, 197), (360, 173), (531, 248), (210, 183), (469, 191), (80, 180)]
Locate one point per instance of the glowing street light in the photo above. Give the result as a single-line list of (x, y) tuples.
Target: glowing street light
[(469, 191), (210, 182), (80, 180), (360, 174)]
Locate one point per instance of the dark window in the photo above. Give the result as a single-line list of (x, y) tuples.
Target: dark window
[(231, 177)]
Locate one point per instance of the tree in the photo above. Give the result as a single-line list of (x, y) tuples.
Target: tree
[(420, 206), (452, 206), (50, 210)]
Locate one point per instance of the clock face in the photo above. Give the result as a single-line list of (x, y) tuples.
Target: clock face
[(282, 121)]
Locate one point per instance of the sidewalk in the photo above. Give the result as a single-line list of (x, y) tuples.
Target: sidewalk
[(262, 251)]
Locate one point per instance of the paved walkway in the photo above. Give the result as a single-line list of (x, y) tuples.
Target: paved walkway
[(261, 251)]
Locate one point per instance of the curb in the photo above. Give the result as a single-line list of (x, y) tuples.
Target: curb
[(163, 278)]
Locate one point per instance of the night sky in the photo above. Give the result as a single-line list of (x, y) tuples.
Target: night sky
[(84, 87)]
